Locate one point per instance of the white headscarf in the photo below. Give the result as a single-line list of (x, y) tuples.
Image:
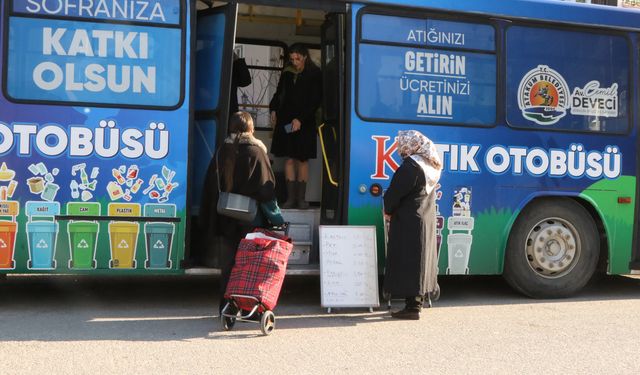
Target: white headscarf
[(413, 144)]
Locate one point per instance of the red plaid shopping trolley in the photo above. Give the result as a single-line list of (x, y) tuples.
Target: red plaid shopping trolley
[(256, 279)]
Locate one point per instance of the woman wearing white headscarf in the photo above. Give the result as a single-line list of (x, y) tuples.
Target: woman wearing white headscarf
[(411, 265)]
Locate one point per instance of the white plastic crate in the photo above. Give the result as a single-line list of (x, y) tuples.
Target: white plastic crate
[(300, 254), (300, 232)]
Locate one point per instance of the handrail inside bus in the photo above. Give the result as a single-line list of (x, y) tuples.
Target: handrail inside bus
[(324, 156)]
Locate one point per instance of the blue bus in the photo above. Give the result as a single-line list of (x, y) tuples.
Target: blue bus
[(111, 111)]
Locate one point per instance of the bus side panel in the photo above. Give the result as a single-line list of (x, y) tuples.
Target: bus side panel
[(490, 172), (93, 123), (617, 218)]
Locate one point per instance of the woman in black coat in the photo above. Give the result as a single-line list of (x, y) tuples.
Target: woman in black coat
[(244, 169), (409, 203), (293, 113)]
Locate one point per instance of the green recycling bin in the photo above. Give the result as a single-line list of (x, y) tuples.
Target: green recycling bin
[(159, 236), (83, 235)]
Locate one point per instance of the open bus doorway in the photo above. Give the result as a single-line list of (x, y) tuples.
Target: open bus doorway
[(261, 35)]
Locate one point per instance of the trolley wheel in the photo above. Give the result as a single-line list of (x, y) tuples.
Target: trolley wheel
[(267, 322), (435, 295), (29, 264), (134, 264), (53, 264), (13, 264), (169, 264), (94, 264), (428, 302), (111, 263), (70, 264), (146, 264), (386, 296), (227, 323)]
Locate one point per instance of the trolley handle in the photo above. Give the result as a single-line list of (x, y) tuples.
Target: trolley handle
[(284, 228)]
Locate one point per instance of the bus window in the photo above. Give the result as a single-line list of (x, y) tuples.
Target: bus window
[(547, 88), (265, 61), (89, 62), (426, 71)]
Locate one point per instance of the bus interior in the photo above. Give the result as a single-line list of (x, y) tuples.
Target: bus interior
[(261, 35)]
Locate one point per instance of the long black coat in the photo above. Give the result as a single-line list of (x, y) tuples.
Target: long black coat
[(411, 265), (298, 97), (252, 176)]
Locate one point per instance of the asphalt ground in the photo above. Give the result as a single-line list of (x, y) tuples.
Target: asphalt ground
[(104, 325)]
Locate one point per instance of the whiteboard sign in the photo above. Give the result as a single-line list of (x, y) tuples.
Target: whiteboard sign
[(348, 266)]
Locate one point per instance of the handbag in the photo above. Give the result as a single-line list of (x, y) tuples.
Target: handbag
[(233, 205)]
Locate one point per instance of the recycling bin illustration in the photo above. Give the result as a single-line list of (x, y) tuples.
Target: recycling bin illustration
[(159, 236), (42, 232), (8, 231), (83, 235), (123, 235), (459, 244)]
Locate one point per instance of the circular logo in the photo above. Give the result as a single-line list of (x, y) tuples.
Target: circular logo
[(542, 96)]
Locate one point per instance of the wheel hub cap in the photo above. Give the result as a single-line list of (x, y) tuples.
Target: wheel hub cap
[(553, 247)]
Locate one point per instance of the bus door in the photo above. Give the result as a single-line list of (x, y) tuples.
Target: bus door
[(215, 33), (332, 129)]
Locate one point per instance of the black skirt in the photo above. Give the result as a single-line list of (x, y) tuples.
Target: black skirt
[(299, 145)]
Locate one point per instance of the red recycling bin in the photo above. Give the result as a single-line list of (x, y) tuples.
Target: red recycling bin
[(8, 231)]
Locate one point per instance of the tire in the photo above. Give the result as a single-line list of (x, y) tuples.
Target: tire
[(227, 323), (267, 322), (435, 295), (567, 257)]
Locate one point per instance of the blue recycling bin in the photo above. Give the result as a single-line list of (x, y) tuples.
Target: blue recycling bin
[(159, 236), (42, 232)]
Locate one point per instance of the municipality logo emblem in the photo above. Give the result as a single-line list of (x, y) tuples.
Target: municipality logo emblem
[(543, 96)]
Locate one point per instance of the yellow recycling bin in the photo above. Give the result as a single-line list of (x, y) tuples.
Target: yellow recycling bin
[(123, 235)]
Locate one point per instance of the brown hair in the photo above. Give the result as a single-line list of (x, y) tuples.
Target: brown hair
[(241, 122), (301, 50)]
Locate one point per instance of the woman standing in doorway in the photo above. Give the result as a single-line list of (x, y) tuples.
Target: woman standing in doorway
[(409, 202), (293, 113)]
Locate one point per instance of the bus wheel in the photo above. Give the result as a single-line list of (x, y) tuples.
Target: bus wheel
[(552, 250)]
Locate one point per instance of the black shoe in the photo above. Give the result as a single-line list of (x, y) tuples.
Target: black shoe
[(406, 314)]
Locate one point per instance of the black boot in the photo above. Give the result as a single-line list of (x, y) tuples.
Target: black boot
[(406, 314), (302, 190), (291, 195), (411, 311)]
